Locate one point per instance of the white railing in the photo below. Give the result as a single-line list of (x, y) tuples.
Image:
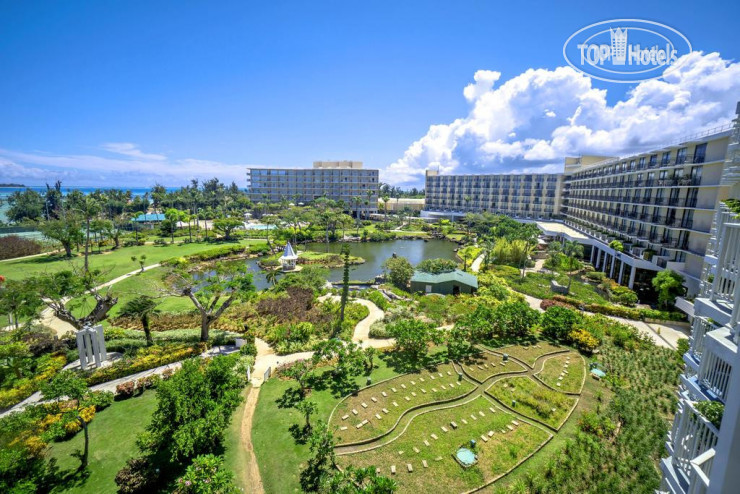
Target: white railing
[(700, 328), (714, 373), (701, 469), (691, 436)]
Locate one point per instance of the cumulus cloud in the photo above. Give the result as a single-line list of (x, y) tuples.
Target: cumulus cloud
[(532, 121), (131, 150)]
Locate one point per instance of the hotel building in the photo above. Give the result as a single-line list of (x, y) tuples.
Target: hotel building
[(345, 181), (520, 196), (658, 204)]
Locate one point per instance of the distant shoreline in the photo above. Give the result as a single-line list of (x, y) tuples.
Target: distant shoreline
[(12, 185)]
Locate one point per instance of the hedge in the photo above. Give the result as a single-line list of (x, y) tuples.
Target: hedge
[(147, 358), (617, 311), (207, 255)]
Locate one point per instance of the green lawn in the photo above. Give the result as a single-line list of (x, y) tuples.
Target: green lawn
[(401, 393), (113, 434), (533, 400), (538, 285), (497, 453), (530, 353), (147, 283), (485, 365), (568, 366), (235, 456), (280, 458), (112, 263)]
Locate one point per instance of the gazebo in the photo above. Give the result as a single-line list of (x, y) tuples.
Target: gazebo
[(289, 258)]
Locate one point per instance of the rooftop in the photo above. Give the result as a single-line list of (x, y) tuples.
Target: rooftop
[(456, 275)]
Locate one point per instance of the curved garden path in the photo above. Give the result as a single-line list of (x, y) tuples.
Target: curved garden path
[(480, 390)]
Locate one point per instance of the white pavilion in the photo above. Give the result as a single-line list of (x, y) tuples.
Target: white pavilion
[(289, 258)]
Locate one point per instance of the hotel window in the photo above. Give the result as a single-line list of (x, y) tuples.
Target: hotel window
[(681, 156), (666, 158), (700, 153)]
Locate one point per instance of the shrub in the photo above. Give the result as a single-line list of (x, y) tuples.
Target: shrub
[(145, 359), (378, 330), (208, 255), (712, 411), (437, 266), (557, 322), (206, 475), (378, 299), (14, 246), (596, 424), (99, 399), (126, 389), (137, 476), (596, 276), (249, 349), (583, 340)]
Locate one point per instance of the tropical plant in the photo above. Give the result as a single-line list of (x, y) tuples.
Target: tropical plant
[(669, 285), (68, 385), (141, 307), (399, 271)]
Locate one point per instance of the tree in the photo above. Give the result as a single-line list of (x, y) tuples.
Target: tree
[(207, 475), (302, 372), (471, 328), (141, 307), (226, 226), (271, 276), (66, 231), (67, 384), (19, 300), (307, 408), (25, 206), (514, 319), (669, 285), (55, 289), (554, 254), (399, 271), (529, 233), (322, 461), (141, 260), (557, 322), (194, 408), (353, 480), (89, 207), (213, 291), (437, 266), (345, 287), (413, 337), (572, 252)]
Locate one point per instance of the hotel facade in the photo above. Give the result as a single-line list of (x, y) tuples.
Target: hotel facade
[(658, 204), (345, 181)]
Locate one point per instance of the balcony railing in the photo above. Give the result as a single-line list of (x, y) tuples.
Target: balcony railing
[(701, 470)]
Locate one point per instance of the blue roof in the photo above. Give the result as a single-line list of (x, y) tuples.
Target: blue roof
[(456, 275), (144, 217)]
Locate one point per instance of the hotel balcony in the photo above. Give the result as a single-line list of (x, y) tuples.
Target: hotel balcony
[(691, 444)]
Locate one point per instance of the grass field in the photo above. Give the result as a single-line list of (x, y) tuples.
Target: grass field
[(112, 263), (497, 453), (486, 365), (530, 353), (113, 434), (235, 456), (568, 366), (533, 400), (538, 285), (401, 394), (280, 457)]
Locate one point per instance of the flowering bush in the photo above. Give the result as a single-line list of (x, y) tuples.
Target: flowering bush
[(126, 390), (145, 359), (206, 475), (136, 476), (48, 366)]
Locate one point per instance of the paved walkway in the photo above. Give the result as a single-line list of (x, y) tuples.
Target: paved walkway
[(475, 267), (361, 336), (665, 335)]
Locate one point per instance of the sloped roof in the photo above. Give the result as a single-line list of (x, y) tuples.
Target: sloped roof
[(456, 275), (289, 253)]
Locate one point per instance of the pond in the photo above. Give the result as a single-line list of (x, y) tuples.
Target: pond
[(374, 253)]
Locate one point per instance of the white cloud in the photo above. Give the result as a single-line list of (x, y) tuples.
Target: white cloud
[(131, 150), (133, 168), (532, 121)]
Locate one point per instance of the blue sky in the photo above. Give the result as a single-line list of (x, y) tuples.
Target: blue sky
[(203, 88)]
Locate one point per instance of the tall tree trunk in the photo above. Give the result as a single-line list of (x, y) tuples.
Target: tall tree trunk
[(87, 243), (204, 327), (147, 331), (86, 451)]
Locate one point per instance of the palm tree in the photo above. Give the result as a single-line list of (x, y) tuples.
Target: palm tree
[(357, 201), (141, 307), (385, 198), (554, 250), (271, 276), (572, 251)]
